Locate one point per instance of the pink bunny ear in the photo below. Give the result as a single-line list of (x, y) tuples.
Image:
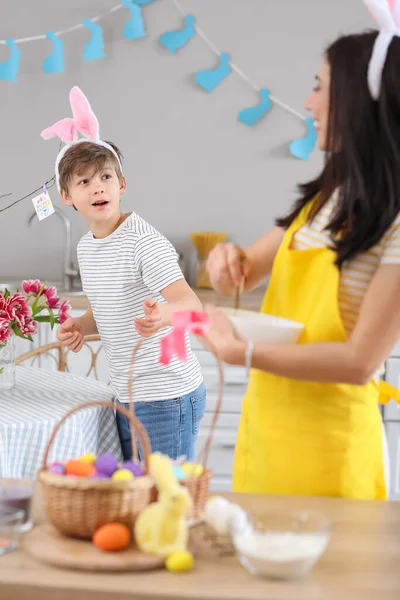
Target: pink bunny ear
[(85, 119), (394, 7), (64, 129)]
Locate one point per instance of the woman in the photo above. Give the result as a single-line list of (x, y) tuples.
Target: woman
[(311, 423)]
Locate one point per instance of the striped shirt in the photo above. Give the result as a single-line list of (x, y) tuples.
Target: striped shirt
[(355, 276), (119, 273)]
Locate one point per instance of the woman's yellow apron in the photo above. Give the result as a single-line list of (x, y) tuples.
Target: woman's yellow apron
[(306, 438)]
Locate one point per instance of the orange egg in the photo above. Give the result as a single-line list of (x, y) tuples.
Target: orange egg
[(112, 537), (79, 468)]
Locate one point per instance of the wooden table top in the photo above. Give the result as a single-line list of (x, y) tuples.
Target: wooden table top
[(362, 562)]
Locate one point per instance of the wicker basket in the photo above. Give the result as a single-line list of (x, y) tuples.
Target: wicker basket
[(77, 506)]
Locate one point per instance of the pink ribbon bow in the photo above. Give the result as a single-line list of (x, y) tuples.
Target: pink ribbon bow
[(174, 343)]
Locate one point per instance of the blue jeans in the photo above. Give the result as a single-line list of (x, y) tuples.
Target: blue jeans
[(172, 425)]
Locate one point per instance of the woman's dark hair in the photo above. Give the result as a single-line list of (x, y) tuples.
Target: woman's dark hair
[(366, 165)]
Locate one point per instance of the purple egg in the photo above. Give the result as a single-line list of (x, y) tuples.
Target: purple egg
[(106, 464), (99, 476), (56, 468), (133, 468)]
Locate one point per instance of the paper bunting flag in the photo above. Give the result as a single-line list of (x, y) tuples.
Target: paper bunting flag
[(174, 40), (54, 62), (303, 147), (211, 78), (134, 29), (250, 116), (94, 49), (9, 68)]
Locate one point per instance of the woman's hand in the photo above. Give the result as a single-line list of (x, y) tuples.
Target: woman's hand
[(223, 338), (228, 267)]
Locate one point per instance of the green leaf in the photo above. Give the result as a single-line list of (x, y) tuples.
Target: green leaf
[(42, 319), (1, 370), (6, 294), (37, 311), (52, 318), (19, 333)]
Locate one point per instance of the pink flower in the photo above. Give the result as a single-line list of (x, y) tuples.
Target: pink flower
[(53, 300), (3, 314), (17, 306), (64, 311), (5, 331), (27, 326), (32, 286)]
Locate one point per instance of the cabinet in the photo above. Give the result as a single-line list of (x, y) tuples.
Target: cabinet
[(393, 439), (224, 439), (391, 415)]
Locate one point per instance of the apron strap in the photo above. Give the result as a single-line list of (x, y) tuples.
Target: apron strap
[(388, 392)]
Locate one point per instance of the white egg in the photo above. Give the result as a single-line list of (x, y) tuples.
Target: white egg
[(238, 520), (217, 514)]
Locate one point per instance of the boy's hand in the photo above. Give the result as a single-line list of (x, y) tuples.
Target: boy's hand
[(153, 319), (71, 334)]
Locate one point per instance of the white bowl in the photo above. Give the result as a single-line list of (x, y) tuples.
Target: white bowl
[(264, 329), (282, 545)]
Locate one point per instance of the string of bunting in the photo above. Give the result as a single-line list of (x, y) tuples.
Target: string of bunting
[(173, 41)]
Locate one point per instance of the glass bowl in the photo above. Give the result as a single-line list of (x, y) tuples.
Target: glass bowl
[(282, 545), (19, 497), (10, 527)]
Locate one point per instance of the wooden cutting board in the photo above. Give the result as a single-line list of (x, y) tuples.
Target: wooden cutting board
[(44, 543)]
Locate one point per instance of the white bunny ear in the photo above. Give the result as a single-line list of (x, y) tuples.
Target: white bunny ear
[(85, 119), (386, 14), (394, 7)]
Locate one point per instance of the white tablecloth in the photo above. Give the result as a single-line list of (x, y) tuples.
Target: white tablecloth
[(30, 411)]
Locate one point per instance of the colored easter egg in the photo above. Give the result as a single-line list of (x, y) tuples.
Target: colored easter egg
[(179, 562), (56, 468), (107, 464), (79, 469), (123, 475), (89, 458), (192, 469), (112, 537), (178, 472), (99, 477), (133, 467)]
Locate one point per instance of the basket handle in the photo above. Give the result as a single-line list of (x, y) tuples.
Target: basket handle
[(130, 394), (135, 425), (205, 451)]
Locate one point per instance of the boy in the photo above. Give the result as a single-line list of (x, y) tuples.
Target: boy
[(133, 282)]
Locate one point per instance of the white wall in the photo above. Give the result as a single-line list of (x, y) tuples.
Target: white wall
[(190, 164)]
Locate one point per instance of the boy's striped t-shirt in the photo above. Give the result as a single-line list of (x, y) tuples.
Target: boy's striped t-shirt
[(119, 273)]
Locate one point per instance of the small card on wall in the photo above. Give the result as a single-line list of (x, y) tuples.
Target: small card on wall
[(43, 205)]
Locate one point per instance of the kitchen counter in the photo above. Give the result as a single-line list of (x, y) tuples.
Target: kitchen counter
[(251, 301), (361, 563)]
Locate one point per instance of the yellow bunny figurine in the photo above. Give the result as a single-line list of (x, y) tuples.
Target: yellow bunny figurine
[(162, 528)]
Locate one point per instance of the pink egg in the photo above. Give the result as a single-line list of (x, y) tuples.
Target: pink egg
[(56, 468)]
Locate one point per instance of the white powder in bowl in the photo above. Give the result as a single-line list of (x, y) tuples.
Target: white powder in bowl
[(280, 555)]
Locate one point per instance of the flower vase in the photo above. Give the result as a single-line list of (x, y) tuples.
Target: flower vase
[(7, 364)]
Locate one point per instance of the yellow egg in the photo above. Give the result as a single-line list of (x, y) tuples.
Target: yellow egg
[(122, 475), (179, 562), (88, 458), (192, 469)]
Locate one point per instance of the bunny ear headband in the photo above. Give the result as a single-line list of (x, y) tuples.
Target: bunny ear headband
[(84, 121), (386, 14)]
